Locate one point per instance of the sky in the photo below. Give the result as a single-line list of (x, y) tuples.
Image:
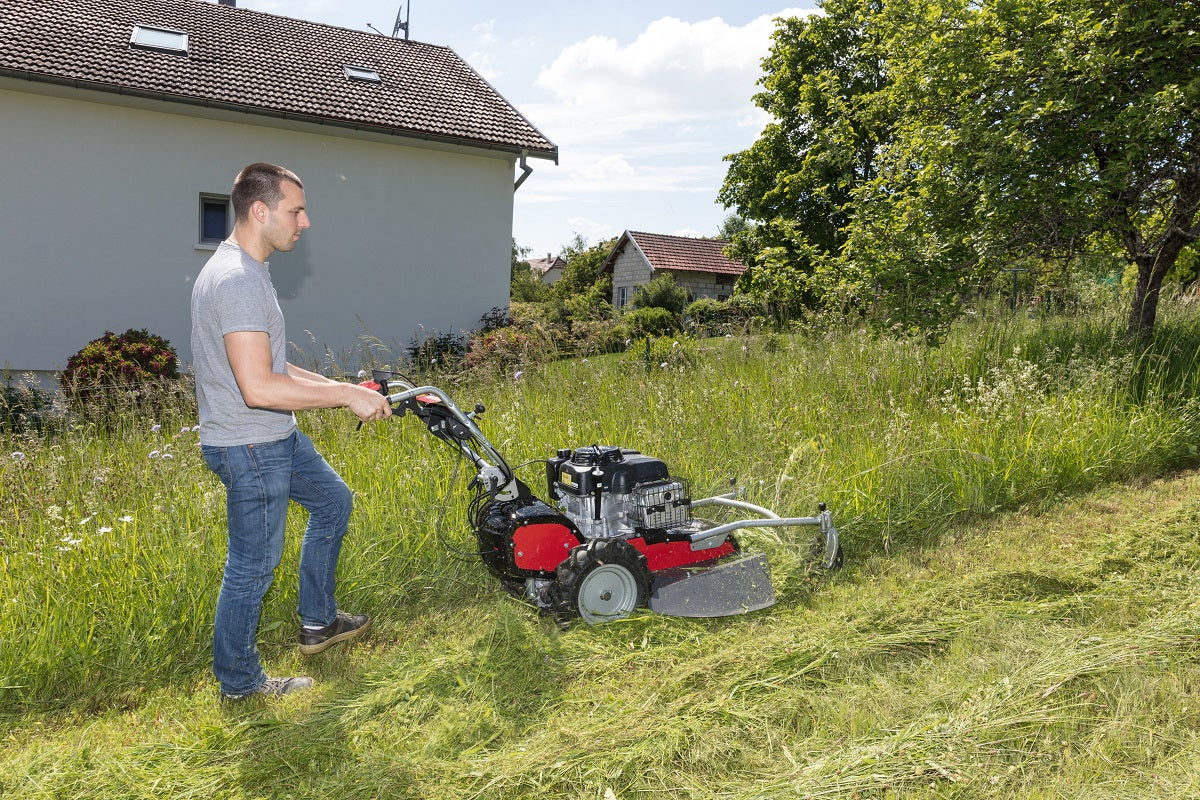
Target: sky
[(644, 99)]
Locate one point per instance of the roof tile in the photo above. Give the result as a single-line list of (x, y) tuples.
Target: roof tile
[(685, 253), (263, 63)]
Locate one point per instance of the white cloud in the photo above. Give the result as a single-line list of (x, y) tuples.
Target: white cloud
[(485, 32), (674, 71)]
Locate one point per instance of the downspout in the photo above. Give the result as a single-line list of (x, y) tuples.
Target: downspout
[(526, 170)]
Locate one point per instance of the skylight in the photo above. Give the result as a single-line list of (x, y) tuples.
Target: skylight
[(362, 74), (162, 39)]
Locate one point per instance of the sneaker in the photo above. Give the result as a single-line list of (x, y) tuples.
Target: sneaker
[(346, 626), (273, 687)]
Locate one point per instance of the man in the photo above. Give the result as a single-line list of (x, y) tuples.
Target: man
[(247, 391)]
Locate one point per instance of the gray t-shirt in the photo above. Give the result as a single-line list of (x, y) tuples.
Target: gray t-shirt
[(234, 293)]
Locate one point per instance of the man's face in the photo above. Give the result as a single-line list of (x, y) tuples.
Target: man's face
[(287, 219)]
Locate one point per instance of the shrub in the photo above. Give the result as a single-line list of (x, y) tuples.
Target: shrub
[(662, 292), (496, 318), (127, 359), (504, 348), (118, 374), (23, 407), (437, 352), (645, 322)]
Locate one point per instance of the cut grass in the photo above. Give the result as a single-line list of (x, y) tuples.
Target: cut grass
[(1037, 656)]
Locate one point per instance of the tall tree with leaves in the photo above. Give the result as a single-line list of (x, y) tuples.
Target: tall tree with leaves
[(1030, 128), (797, 179)]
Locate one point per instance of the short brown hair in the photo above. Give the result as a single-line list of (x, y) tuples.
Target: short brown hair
[(259, 182)]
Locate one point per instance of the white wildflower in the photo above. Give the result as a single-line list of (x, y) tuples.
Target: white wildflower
[(125, 518)]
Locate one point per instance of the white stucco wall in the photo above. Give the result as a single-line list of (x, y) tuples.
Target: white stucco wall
[(99, 207)]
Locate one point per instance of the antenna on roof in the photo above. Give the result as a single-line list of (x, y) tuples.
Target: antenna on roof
[(404, 11)]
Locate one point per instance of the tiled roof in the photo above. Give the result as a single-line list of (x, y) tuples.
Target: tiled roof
[(681, 253), (265, 64), (543, 265)]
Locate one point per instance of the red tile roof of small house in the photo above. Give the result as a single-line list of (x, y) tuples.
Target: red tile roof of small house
[(261, 63), (679, 253)]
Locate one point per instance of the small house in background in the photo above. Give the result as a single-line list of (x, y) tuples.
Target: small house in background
[(124, 122), (547, 270), (698, 265)]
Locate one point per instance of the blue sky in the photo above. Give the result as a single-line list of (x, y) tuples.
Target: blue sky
[(643, 99)]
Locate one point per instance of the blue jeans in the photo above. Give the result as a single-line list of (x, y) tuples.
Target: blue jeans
[(259, 481)]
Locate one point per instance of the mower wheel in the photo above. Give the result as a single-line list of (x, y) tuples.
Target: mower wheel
[(602, 580)]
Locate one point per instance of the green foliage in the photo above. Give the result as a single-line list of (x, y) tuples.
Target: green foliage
[(24, 407), (916, 153), (653, 321), (663, 352), (796, 181), (715, 318), (524, 286), (661, 292), (584, 270), (434, 351), (504, 348), (731, 226), (115, 371), (130, 358)]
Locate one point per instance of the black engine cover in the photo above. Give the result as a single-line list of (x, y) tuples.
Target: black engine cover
[(620, 470)]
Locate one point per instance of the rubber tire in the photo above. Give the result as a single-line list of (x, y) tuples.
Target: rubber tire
[(600, 566)]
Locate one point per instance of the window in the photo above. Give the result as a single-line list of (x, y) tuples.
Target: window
[(622, 296), (214, 218), (365, 74), (163, 40)]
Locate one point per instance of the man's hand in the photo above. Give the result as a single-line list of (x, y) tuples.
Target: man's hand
[(367, 404)]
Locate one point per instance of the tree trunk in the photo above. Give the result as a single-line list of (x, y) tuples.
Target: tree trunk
[(1152, 268), (1145, 298)]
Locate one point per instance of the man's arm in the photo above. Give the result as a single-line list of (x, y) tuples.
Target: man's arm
[(249, 354)]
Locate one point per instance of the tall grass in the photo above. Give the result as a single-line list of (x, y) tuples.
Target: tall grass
[(112, 542)]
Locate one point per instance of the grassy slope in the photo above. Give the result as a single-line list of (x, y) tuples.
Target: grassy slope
[(1036, 656)]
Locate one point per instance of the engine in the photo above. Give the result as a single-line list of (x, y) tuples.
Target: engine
[(612, 492)]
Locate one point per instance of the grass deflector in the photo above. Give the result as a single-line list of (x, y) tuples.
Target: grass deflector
[(615, 533)]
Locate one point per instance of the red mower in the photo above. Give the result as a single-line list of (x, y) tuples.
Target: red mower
[(616, 533)]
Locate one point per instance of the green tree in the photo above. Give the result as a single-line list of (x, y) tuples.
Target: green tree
[(524, 286), (585, 290), (1032, 129), (584, 266), (797, 179), (921, 147), (731, 226)]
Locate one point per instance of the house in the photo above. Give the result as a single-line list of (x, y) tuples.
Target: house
[(547, 270), (125, 122), (698, 265)]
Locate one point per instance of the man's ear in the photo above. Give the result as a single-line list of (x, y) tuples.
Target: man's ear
[(258, 210)]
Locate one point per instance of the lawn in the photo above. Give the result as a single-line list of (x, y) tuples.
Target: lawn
[(1017, 616)]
